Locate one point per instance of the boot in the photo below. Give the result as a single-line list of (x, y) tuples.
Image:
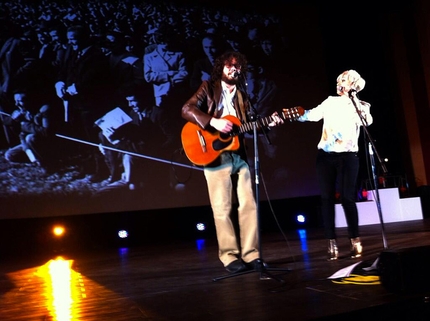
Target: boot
[(332, 250), (356, 247)]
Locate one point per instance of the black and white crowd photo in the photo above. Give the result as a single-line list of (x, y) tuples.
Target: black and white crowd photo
[(214, 160), (84, 81)]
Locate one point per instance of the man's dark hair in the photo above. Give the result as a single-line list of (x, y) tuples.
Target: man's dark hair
[(225, 59), (82, 31)]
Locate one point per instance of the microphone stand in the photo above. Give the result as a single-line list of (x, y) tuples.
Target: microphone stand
[(260, 266), (371, 152)]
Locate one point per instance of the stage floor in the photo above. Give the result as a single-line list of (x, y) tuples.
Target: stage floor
[(174, 280)]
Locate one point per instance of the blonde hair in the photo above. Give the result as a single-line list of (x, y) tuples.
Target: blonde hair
[(357, 83)]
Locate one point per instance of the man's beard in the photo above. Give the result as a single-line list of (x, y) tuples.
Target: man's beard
[(229, 81)]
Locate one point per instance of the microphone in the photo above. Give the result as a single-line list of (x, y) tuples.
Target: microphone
[(236, 74), (352, 92)]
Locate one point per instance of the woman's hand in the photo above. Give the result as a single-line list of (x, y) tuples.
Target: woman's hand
[(276, 120)]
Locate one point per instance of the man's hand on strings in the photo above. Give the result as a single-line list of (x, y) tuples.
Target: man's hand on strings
[(222, 125)]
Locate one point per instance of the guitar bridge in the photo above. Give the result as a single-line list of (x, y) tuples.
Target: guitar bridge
[(202, 141)]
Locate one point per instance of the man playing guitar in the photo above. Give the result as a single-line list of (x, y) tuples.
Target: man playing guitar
[(209, 110)]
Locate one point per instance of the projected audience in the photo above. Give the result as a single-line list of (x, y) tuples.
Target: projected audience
[(79, 61), (84, 89), (273, 54), (165, 68), (212, 46), (34, 125), (125, 66), (264, 97), (133, 134), (58, 44), (15, 51)]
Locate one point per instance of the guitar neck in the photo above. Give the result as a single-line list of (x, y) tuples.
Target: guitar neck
[(290, 114), (261, 122)]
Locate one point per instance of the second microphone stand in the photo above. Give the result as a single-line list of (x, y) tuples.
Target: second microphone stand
[(372, 152)]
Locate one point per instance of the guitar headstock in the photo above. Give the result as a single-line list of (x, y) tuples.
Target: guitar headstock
[(293, 113)]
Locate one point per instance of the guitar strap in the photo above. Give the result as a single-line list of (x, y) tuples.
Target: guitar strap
[(241, 106)]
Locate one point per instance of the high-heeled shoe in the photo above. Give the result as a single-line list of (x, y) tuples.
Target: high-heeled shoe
[(356, 247), (332, 250)]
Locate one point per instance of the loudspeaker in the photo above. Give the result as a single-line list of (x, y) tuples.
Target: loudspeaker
[(405, 270)]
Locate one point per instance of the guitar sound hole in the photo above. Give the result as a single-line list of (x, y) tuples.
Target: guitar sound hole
[(220, 145), (227, 136)]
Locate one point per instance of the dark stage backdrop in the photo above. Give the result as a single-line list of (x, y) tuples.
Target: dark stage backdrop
[(294, 72)]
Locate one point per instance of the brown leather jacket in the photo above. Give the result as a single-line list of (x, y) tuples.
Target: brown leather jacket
[(201, 107)]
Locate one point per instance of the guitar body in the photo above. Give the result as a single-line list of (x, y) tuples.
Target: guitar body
[(202, 147)]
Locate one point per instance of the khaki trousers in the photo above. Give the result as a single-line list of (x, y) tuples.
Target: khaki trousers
[(220, 189)]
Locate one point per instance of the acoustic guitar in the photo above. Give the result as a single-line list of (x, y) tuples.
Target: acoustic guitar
[(203, 146)]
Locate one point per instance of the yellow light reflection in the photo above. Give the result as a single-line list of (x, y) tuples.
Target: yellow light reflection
[(58, 230), (61, 291)]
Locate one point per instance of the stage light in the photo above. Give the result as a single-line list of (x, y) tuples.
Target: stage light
[(201, 227), (58, 230), (301, 218), (123, 234), (364, 194)]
